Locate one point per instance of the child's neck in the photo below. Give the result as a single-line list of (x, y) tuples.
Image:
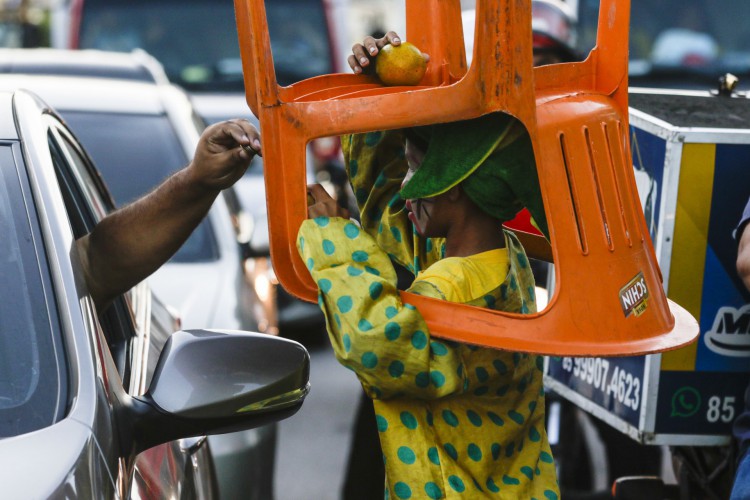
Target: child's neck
[(477, 236)]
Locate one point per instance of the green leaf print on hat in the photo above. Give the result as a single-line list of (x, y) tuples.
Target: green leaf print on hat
[(492, 156)]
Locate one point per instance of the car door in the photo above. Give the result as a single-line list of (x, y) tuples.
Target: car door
[(135, 330)]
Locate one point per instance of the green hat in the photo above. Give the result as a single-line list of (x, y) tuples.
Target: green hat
[(491, 156)]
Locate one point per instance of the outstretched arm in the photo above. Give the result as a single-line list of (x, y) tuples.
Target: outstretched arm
[(743, 256), (134, 241)]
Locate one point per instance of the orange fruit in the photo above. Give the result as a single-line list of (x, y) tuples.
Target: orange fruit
[(400, 64)]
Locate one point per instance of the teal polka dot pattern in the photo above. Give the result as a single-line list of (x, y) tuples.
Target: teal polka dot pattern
[(475, 452), (477, 396), (433, 491), (437, 378), (345, 303), (481, 390), (382, 423), (406, 455), (428, 245), (302, 243), (375, 290), (490, 301), (328, 247), (516, 417), (474, 418), (450, 418), (353, 168), (402, 490), (482, 374), (438, 349), (372, 138), (409, 420), (451, 451), (534, 435), (501, 367), (392, 331), (494, 488), (322, 221), (511, 480), (522, 260), (324, 285), (380, 181), (310, 263), (360, 256), (527, 471), (456, 483), (419, 340), (550, 495), (396, 369), (433, 456), (545, 457), (372, 271), (496, 419), (369, 360), (351, 231)]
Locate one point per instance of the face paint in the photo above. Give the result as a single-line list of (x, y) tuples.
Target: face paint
[(419, 215)]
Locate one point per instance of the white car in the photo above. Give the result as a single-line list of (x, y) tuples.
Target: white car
[(138, 133)]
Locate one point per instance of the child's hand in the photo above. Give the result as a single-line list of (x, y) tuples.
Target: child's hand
[(365, 52), (320, 203)]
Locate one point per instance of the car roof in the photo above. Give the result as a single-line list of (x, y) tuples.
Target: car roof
[(93, 94), (136, 65)]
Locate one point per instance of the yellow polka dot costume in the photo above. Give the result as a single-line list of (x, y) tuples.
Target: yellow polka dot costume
[(455, 420)]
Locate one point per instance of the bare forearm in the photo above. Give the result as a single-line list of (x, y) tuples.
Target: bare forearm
[(743, 257), (135, 241)]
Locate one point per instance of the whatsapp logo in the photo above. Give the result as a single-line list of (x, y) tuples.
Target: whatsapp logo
[(685, 402)]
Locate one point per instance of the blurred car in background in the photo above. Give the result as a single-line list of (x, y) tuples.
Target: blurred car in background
[(78, 388), (138, 133), (306, 39)]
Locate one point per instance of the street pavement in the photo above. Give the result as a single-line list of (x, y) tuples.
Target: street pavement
[(313, 445)]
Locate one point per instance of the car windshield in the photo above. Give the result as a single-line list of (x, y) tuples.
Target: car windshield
[(33, 380), (680, 43), (196, 40), (145, 153)]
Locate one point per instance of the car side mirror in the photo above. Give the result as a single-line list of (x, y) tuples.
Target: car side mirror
[(214, 382)]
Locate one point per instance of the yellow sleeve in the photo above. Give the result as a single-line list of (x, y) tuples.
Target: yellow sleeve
[(385, 342), (376, 167)]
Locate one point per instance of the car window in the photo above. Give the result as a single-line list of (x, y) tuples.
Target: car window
[(679, 43), (146, 151), (196, 40), (33, 380), (87, 202)]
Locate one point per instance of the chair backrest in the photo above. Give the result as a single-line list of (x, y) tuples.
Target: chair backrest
[(608, 298)]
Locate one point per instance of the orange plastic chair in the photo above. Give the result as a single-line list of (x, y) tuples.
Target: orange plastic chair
[(608, 298)]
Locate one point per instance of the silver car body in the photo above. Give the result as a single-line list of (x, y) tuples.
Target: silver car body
[(205, 294), (76, 456)]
